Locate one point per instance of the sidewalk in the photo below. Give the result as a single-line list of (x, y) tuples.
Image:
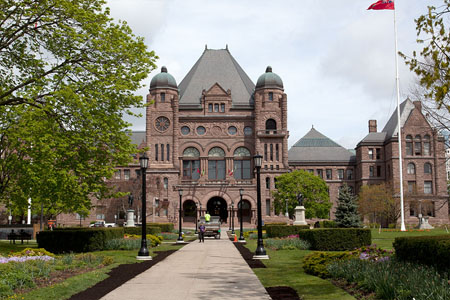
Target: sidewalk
[(210, 270)]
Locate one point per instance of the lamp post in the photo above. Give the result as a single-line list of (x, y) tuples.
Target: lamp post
[(287, 213), (241, 234), (260, 252), (143, 253), (232, 217), (196, 217), (229, 214), (180, 235)]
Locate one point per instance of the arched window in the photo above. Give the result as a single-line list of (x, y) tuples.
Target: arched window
[(417, 145), (426, 145), (166, 183), (411, 169), (427, 168), (271, 125), (242, 163), (191, 164), (216, 164), (409, 145)]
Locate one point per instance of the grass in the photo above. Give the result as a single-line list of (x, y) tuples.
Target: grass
[(6, 248), (386, 237), (81, 282), (284, 268)]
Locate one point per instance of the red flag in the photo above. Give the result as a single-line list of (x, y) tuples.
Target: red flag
[(382, 4)]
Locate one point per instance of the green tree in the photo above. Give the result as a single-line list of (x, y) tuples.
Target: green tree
[(68, 73), (431, 65), (313, 189), (346, 214), (377, 203)]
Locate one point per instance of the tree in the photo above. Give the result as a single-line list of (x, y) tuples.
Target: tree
[(432, 64), (347, 215), (67, 77), (313, 189), (377, 203)]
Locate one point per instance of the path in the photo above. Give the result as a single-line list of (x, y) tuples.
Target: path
[(211, 270)]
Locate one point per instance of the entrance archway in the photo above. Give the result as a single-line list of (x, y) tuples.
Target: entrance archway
[(218, 207), (246, 211), (189, 211)]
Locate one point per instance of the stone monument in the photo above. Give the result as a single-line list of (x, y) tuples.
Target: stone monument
[(300, 211), (423, 223), (130, 212)]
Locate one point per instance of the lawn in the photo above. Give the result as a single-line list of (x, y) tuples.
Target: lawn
[(284, 268), (385, 238), (81, 282)]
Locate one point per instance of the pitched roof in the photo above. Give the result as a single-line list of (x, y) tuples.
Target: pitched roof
[(391, 128), (137, 137), (216, 66), (316, 147), (374, 137)]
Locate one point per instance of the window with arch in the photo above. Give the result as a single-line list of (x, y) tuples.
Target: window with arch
[(409, 145), (427, 168), (417, 145), (411, 168), (216, 164), (166, 183), (426, 145), (242, 163), (191, 164), (271, 125)]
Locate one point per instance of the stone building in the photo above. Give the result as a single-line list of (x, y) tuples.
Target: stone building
[(202, 134)]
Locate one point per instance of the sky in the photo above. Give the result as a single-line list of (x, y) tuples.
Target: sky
[(336, 58)]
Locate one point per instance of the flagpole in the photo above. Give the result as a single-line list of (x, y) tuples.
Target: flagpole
[(402, 211)]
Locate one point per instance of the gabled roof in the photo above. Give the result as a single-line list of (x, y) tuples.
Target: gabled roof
[(374, 137), (216, 66), (391, 128), (137, 137), (315, 147)]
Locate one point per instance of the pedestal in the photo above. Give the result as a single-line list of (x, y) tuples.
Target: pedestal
[(130, 218), (423, 223), (300, 216)]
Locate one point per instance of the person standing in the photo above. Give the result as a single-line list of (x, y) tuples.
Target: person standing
[(201, 233)]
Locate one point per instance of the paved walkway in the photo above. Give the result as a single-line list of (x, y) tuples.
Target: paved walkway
[(211, 270)]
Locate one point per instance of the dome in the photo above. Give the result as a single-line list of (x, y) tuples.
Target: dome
[(269, 80), (163, 80)]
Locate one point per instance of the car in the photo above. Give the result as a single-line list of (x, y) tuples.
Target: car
[(102, 224)]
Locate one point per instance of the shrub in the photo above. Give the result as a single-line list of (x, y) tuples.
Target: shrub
[(317, 262), (138, 230), (273, 224), (393, 279), (165, 227), (168, 235), (336, 239), (284, 230), (325, 224), (286, 244), (34, 252), (430, 250), (85, 240)]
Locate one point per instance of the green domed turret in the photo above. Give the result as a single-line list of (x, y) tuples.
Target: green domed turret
[(269, 80), (163, 80)]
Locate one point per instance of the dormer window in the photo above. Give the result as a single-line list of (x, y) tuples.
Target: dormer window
[(210, 107), (270, 96), (163, 97)]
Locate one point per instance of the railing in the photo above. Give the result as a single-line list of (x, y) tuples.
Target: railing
[(271, 133)]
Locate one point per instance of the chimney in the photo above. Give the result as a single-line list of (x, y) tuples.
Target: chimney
[(372, 126), (418, 105)]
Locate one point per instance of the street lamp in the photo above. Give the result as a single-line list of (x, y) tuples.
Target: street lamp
[(260, 252), (287, 213), (196, 216), (241, 234), (232, 217), (229, 214), (143, 253), (180, 235)]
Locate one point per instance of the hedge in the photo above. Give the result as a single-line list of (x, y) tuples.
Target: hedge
[(87, 240), (429, 250), (138, 230), (165, 227), (316, 263), (336, 239), (325, 224), (284, 230)]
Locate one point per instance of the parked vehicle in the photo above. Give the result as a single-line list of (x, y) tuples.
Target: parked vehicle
[(212, 228), (102, 224)]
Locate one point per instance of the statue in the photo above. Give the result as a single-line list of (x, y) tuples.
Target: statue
[(130, 200), (300, 199)]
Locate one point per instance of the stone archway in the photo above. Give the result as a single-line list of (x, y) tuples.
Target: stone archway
[(189, 211), (217, 206), (246, 211)]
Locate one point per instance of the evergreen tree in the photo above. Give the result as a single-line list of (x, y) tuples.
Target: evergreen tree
[(347, 210)]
